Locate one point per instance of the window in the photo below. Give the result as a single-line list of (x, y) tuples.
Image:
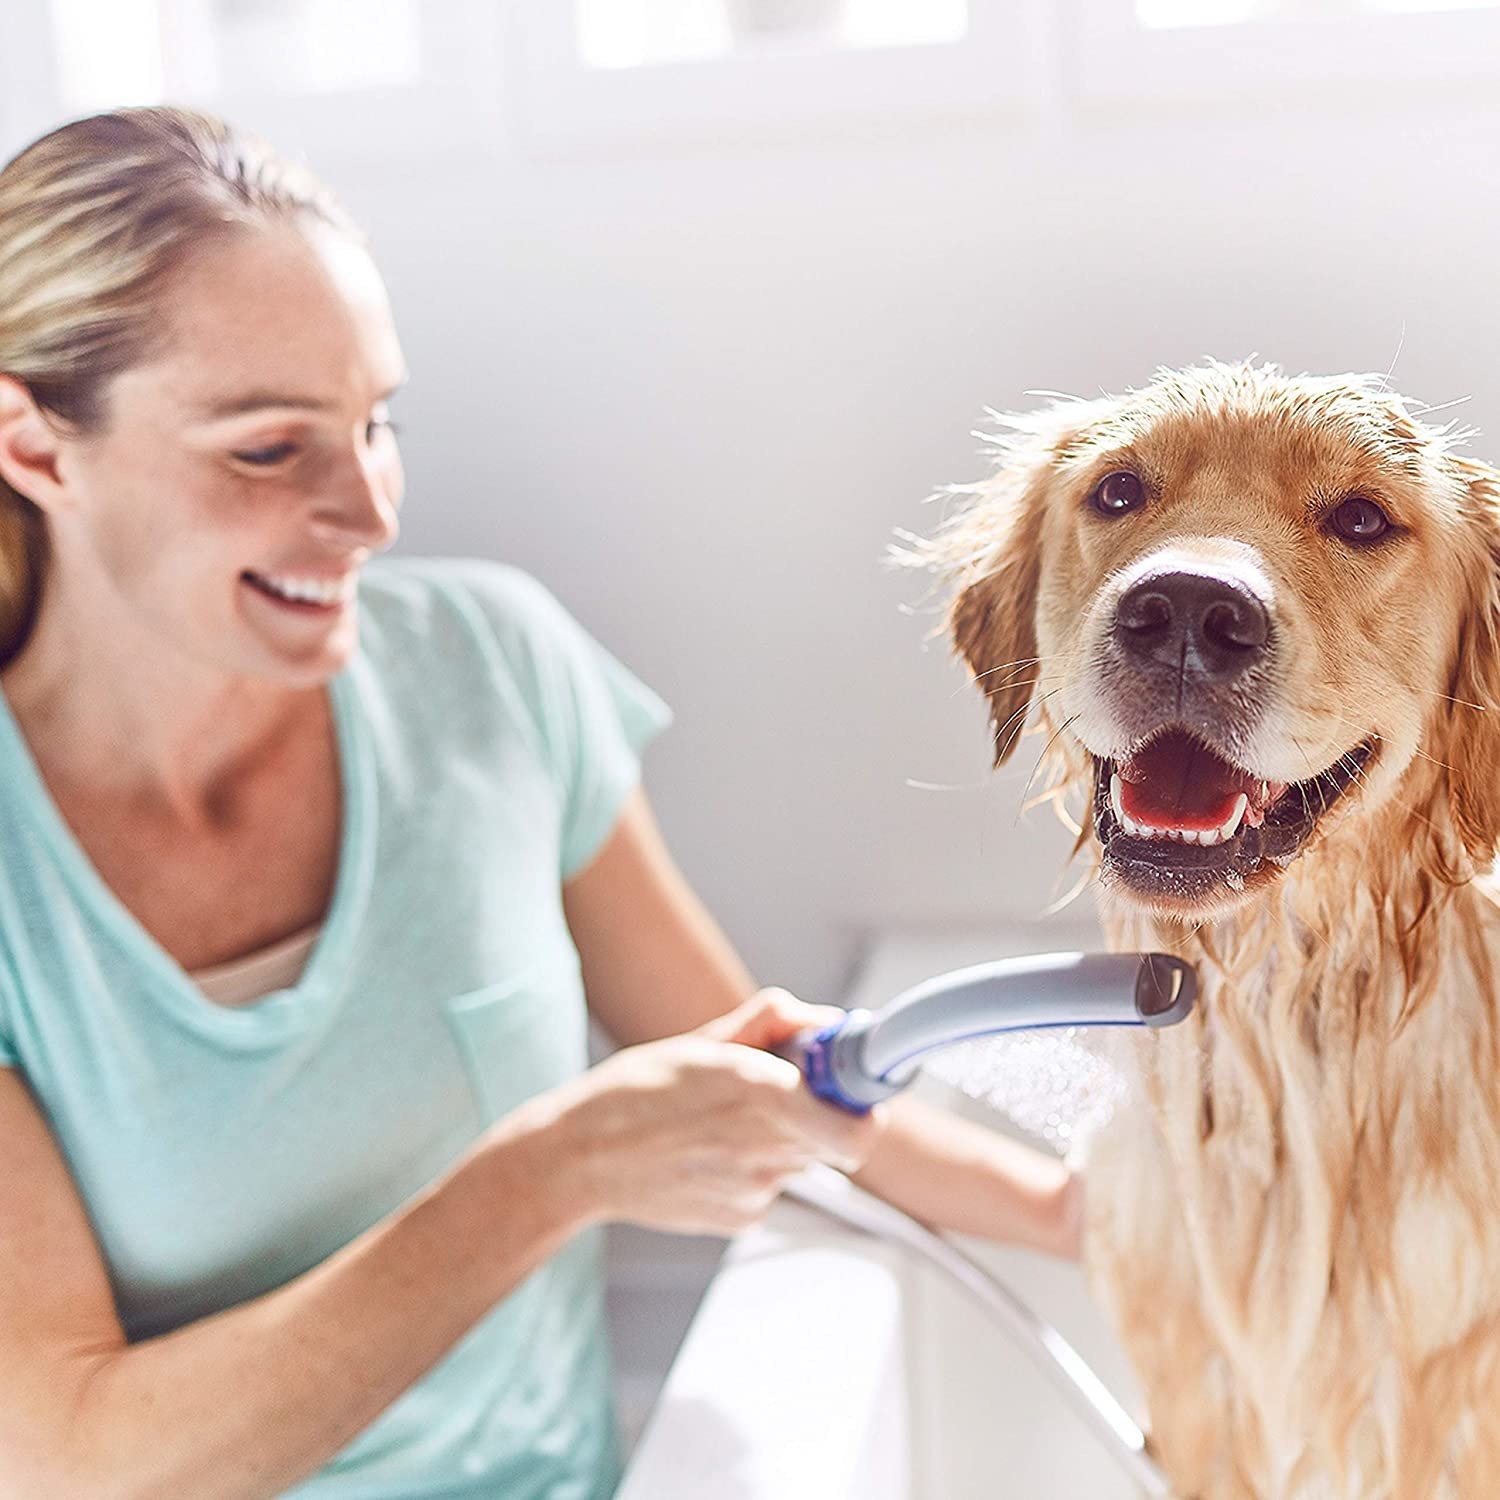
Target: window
[(613, 71), (1218, 50), (1161, 13), (143, 51), (632, 33), (424, 71)]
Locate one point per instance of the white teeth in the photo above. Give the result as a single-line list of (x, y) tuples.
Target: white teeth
[(1231, 824), (308, 590), (1222, 834)]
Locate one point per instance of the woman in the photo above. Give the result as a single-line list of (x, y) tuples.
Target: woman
[(307, 871)]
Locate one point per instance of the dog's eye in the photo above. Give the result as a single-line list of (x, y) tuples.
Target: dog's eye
[(1117, 493), (1360, 520)]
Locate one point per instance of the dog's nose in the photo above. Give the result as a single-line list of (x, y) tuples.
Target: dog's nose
[(1195, 621)]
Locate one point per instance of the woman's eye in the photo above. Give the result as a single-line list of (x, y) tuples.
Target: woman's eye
[(264, 457), (1118, 493), (376, 426), (1359, 520)]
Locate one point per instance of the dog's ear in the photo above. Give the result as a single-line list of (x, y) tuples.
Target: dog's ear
[(992, 622), (1469, 719), (992, 552)]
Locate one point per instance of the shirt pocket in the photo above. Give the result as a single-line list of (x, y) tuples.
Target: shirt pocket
[(520, 1036)]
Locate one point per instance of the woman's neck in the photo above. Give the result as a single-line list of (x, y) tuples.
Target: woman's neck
[(153, 724)]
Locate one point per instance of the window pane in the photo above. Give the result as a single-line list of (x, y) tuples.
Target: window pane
[(1226, 12), (141, 51), (107, 55), (629, 33), (283, 45)]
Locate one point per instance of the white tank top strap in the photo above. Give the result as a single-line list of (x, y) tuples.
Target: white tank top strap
[(256, 975)]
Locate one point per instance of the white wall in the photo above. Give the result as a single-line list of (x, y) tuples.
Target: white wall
[(695, 387)]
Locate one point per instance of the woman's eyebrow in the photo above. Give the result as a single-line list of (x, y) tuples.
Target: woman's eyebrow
[(239, 406)]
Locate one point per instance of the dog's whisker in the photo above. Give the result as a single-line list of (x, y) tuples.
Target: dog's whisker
[(1359, 773), (1018, 681), (1385, 380), (1417, 750), (1020, 661), (1020, 713), (1311, 777), (1483, 708), (1042, 757), (1004, 687), (944, 786), (1005, 666), (1421, 409)]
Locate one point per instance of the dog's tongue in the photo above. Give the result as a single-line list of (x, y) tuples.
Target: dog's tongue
[(1178, 782)]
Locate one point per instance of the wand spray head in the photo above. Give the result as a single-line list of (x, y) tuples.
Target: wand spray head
[(865, 1057)]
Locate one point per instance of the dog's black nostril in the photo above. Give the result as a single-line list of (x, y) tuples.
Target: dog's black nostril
[(1237, 624), (1210, 625), (1145, 613)]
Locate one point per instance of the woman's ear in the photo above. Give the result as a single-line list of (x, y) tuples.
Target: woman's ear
[(992, 552), (1469, 718), (29, 447)]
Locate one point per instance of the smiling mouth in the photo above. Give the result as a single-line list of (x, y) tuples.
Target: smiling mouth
[(1180, 824), (308, 594)]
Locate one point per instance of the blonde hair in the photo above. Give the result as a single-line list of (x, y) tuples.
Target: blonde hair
[(94, 217)]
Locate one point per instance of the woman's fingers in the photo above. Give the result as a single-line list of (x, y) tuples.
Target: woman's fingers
[(684, 1131), (773, 1016), (767, 1019)]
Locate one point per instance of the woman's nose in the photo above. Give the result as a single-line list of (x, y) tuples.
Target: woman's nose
[(359, 509)]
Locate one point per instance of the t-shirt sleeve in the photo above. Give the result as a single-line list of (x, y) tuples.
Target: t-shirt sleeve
[(594, 716)]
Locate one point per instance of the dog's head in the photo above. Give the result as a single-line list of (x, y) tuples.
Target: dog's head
[(1254, 608)]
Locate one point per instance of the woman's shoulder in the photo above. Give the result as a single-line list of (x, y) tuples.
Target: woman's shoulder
[(439, 611), (414, 590), (430, 596), (415, 585)]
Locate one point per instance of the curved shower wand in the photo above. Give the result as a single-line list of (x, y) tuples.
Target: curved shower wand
[(865, 1057)]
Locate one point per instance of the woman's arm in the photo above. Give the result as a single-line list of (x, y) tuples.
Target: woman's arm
[(687, 1134), (247, 1402), (655, 962)]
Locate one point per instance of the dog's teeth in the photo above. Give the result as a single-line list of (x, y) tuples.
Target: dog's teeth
[(1117, 804), (1231, 824), (1202, 836)]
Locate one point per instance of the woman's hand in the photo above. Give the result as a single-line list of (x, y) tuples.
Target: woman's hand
[(698, 1132)]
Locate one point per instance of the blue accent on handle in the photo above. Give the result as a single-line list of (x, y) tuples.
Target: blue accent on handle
[(817, 1067)]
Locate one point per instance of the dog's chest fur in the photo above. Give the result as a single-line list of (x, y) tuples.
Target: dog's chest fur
[(1295, 1223)]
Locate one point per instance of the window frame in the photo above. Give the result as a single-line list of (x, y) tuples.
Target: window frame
[(28, 74), (456, 101), (761, 88), (1119, 59)]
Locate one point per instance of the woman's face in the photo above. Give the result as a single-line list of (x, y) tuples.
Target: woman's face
[(248, 469)]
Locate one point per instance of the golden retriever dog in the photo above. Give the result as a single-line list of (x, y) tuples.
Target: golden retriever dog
[(1258, 618)]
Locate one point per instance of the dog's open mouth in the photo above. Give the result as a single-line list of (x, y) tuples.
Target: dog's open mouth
[(1179, 823)]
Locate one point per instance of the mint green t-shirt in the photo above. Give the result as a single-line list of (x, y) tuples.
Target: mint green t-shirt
[(486, 746)]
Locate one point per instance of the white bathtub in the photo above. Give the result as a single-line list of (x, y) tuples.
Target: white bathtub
[(828, 1365)]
